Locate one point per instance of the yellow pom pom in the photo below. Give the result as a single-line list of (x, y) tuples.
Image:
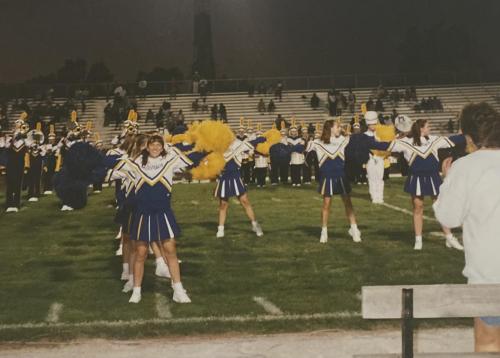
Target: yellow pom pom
[(210, 167), (212, 136), (272, 136), (73, 116)]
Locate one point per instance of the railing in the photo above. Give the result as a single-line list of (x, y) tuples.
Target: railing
[(357, 80)]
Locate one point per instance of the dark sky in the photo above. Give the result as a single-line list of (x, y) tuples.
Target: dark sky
[(251, 37)]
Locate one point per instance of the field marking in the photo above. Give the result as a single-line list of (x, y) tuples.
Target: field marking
[(317, 198), (234, 201), (54, 313), (408, 212), (195, 202), (141, 322), (162, 306), (267, 305), (276, 199)]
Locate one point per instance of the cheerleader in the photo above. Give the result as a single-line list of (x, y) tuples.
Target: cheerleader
[(420, 149), (154, 220), (331, 149), (297, 147), (230, 184), (16, 150)]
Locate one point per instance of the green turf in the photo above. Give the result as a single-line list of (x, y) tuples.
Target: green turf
[(49, 256)]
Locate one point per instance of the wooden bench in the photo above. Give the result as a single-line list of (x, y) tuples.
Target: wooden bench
[(429, 301)]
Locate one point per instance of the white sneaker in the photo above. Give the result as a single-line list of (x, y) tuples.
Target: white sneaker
[(257, 230), (135, 298), (119, 235), (33, 199), (66, 208), (324, 236), (129, 286), (96, 191), (454, 243), (119, 251), (12, 210), (418, 244), (124, 276), (162, 270), (47, 192), (220, 232), (355, 234), (180, 296)]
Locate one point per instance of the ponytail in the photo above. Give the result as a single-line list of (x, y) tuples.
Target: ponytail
[(416, 131), (327, 132)]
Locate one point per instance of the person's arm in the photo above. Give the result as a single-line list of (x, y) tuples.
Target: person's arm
[(451, 206)]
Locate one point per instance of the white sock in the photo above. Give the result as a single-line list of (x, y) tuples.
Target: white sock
[(137, 290), (254, 223), (449, 236), (354, 226), (125, 268), (220, 227), (418, 237), (159, 261), (324, 228), (131, 278), (177, 286)]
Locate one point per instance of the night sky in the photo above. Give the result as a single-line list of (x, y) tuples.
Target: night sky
[(251, 37)]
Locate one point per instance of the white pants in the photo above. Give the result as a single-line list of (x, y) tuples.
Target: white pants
[(375, 175)]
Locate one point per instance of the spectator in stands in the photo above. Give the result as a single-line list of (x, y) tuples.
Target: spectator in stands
[(351, 98), (332, 103), (141, 86), (261, 107), (166, 106), (379, 106), (203, 88), (381, 92), (180, 117), (450, 125), (395, 97), (314, 101), (223, 112), (413, 93), (195, 105), (204, 105), (214, 111), (150, 116), (271, 107), (394, 114), (470, 198), (196, 82), (370, 106), (278, 92), (279, 119)]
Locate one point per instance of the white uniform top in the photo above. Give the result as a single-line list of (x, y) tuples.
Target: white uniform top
[(429, 147), (470, 197), (261, 161), (15, 144), (332, 150), (237, 151), (296, 158)]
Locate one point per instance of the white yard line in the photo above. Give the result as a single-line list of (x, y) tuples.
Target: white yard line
[(268, 306), (141, 322), (276, 199), (54, 313), (162, 306), (317, 198), (195, 202), (408, 212)]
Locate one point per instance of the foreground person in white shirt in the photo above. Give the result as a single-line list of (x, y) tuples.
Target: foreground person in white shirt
[(470, 197)]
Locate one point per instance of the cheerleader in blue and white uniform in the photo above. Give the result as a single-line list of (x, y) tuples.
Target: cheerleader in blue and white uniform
[(154, 220), (230, 184), (420, 150), (331, 149)]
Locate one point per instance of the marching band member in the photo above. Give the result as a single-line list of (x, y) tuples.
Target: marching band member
[(16, 151), (50, 161), (36, 154), (375, 164), (261, 165), (229, 184), (306, 168), (297, 147)]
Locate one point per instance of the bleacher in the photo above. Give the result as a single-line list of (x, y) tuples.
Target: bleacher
[(293, 104)]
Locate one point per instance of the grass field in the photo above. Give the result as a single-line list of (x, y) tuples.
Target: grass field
[(60, 278)]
